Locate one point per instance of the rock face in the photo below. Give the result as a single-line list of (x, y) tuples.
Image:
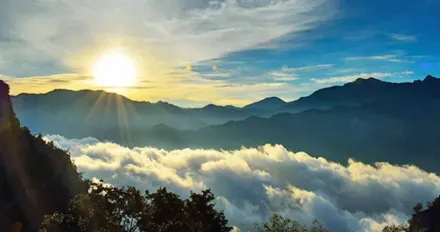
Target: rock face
[(36, 178), (8, 121)]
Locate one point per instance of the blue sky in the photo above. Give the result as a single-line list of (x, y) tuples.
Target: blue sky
[(399, 38), (238, 51)]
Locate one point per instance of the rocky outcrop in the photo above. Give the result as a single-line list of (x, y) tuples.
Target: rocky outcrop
[(8, 121)]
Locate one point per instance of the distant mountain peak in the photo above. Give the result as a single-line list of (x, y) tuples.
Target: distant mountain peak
[(367, 80), (267, 103), (164, 103), (211, 106), (430, 78), (274, 99)]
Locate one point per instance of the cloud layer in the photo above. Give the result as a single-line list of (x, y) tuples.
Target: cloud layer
[(252, 183)]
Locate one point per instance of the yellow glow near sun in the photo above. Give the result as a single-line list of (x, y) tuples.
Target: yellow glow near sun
[(114, 69)]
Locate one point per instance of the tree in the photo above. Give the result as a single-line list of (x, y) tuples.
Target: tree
[(278, 223), (108, 208), (417, 208), (394, 228), (103, 208)]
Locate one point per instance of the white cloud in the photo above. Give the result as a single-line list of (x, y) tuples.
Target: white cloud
[(407, 73), (290, 74), (166, 31), (217, 75), (394, 58), (252, 183), (402, 37), (282, 76), (308, 68)]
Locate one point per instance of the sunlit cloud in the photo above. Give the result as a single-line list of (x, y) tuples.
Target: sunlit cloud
[(291, 73), (282, 76), (394, 58), (252, 183)]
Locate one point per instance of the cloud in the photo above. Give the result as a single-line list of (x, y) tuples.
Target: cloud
[(169, 31), (282, 76), (252, 183), (42, 84), (290, 74), (308, 68), (394, 58), (404, 38), (407, 73), (217, 75)]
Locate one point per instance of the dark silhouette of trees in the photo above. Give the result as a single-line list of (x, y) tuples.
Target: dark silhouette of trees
[(278, 223), (417, 208), (36, 178), (108, 208), (396, 228), (422, 220)]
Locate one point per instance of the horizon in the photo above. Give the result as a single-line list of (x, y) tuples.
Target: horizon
[(207, 104)]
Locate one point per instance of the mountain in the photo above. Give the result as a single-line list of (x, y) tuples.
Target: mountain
[(367, 119), (270, 103), (394, 128), (363, 91), (36, 178), (61, 111)]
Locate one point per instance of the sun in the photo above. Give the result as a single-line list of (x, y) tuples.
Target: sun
[(114, 69)]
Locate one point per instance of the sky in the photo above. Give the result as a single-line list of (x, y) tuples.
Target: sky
[(196, 52)]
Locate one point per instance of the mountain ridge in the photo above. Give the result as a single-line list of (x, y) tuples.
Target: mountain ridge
[(360, 91), (366, 119), (272, 98)]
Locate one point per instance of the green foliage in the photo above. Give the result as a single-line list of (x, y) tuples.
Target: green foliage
[(278, 223), (107, 208), (394, 228)]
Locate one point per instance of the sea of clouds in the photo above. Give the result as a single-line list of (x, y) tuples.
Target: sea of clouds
[(252, 183)]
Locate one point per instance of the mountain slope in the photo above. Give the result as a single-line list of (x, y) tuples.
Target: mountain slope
[(270, 103), (35, 177), (367, 119), (397, 129), (61, 111), (364, 91)]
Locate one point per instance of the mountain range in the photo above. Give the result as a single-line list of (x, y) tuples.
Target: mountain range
[(367, 120)]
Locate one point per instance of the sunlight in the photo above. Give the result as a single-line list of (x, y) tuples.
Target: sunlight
[(114, 69)]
